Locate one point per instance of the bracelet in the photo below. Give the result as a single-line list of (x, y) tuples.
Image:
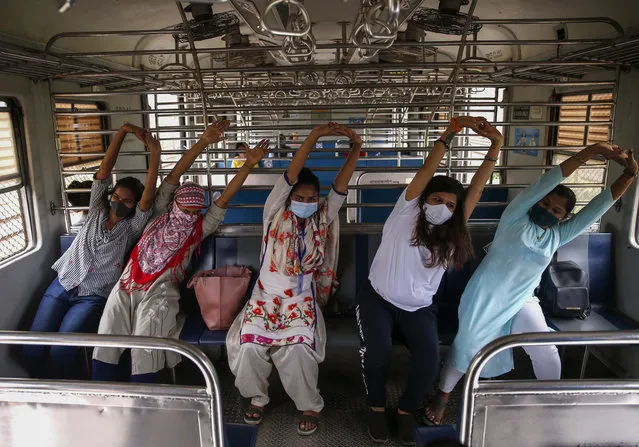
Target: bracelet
[(446, 145), (493, 159), (580, 158), (631, 174), (453, 122)]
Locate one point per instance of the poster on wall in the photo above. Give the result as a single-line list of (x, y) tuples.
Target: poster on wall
[(527, 137), (521, 113)]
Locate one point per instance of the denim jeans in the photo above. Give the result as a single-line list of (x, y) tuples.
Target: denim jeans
[(62, 311)]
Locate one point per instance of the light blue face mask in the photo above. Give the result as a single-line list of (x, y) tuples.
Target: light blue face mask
[(303, 210)]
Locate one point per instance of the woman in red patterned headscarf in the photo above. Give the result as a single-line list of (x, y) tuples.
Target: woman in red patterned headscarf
[(146, 299)]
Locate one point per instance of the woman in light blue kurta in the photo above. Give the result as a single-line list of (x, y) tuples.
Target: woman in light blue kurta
[(499, 298)]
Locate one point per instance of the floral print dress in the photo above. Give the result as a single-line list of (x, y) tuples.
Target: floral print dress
[(296, 275)]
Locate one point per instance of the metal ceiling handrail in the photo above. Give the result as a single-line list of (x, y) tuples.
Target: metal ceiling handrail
[(305, 16)]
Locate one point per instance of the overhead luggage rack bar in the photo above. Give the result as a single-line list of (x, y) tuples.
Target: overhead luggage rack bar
[(399, 108)]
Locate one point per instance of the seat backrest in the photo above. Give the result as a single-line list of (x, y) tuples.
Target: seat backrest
[(592, 252), (101, 414), (533, 413), (79, 414)]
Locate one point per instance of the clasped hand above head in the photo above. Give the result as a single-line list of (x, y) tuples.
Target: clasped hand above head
[(481, 127), (334, 128)]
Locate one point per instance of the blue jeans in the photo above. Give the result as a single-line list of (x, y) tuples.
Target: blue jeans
[(62, 311)]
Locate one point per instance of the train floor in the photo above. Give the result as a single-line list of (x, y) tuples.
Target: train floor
[(343, 419)]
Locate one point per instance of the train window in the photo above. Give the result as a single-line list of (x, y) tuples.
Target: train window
[(88, 147), (15, 224), (590, 108), (170, 125)]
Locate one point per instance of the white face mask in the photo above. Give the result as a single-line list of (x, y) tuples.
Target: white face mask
[(437, 214)]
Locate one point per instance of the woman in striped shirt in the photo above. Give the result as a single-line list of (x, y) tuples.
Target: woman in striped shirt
[(87, 271)]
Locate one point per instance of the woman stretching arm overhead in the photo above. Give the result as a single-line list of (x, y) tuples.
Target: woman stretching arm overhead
[(499, 298)]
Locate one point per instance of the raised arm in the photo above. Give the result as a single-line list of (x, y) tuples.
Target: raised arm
[(623, 182), (146, 202), (606, 150), (111, 155), (297, 163), (520, 205), (485, 171), (253, 157), (602, 203), (212, 134), (428, 169), (340, 184)]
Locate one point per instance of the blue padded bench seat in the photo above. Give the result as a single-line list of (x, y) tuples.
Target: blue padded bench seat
[(240, 435), (427, 434), (196, 332), (593, 253)]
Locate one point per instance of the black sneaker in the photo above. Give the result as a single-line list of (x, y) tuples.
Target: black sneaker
[(378, 426), (406, 425)]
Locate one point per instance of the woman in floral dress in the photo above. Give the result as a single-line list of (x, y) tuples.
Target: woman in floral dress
[(282, 324)]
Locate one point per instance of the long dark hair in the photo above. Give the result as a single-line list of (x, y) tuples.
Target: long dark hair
[(449, 242)]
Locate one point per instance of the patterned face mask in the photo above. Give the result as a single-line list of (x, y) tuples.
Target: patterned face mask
[(165, 237), (180, 217)]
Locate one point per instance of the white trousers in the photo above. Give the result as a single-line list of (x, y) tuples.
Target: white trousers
[(296, 364), (545, 359)]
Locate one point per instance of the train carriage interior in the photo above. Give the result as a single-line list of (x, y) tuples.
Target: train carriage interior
[(552, 76)]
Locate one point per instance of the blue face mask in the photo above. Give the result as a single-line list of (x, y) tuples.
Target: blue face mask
[(542, 217), (303, 210)]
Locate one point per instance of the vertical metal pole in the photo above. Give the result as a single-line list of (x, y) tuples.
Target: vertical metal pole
[(613, 114), (58, 151), (200, 81)]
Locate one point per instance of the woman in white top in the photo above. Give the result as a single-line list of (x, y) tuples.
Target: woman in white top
[(425, 233)]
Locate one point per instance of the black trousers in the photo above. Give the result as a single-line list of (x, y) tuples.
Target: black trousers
[(378, 320)]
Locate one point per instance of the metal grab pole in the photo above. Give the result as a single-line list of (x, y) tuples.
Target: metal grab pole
[(205, 366), (471, 382)]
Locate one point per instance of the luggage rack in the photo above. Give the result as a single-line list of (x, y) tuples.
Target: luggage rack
[(398, 108)]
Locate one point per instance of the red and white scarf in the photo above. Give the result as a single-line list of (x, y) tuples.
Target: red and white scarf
[(166, 241)]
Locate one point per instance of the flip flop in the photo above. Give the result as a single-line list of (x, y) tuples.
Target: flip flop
[(308, 418)]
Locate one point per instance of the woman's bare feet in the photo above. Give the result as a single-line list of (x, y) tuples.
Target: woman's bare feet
[(435, 415)]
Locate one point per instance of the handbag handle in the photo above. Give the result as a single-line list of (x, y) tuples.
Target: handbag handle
[(224, 273), (193, 281)]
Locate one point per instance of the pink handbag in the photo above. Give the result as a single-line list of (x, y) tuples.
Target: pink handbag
[(220, 294)]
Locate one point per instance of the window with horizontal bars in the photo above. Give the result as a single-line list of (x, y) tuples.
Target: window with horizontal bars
[(83, 144), (15, 225), (589, 108)]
